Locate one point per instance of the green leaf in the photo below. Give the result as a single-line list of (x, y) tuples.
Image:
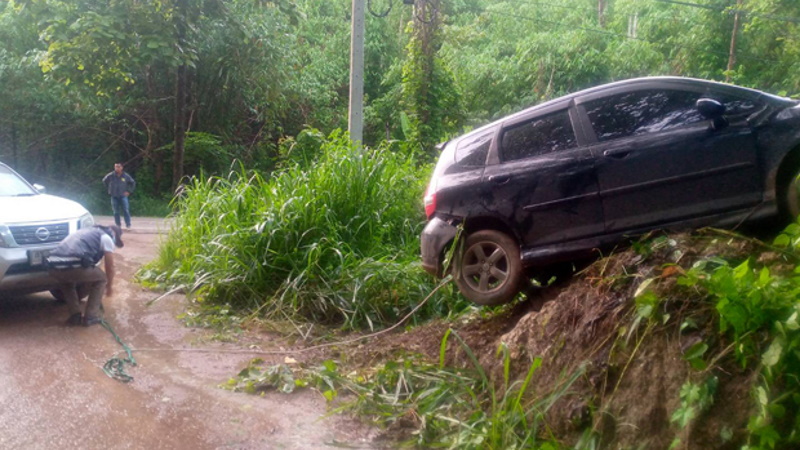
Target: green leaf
[(761, 395), (782, 241), (742, 270), (777, 410), (329, 365), (694, 355), (764, 277), (791, 322), (773, 354), (405, 125)]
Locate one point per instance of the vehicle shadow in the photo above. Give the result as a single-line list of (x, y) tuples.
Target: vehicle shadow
[(34, 309)]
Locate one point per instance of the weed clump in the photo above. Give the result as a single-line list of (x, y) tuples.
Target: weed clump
[(333, 240)]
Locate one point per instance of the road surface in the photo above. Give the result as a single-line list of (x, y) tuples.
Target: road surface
[(54, 394)]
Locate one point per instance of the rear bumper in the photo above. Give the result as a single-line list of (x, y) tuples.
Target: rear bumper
[(435, 237)]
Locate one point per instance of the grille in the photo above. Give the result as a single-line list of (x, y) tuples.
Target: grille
[(35, 234)]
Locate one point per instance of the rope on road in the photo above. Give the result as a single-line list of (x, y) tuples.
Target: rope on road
[(115, 367), (274, 352)]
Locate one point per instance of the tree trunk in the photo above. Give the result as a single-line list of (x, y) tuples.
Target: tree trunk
[(732, 52), (601, 13), (426, 16), (153, 127)]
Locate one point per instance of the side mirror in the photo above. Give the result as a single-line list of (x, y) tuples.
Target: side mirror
[(41, 189), (714, 111)]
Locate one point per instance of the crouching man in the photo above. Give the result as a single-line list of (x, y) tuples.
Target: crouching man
[(75, 261)]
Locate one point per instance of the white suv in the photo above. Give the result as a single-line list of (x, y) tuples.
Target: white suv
[(31, 224)]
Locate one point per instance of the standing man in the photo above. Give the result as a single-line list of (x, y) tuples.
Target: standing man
[(120, 185), (74, 262)]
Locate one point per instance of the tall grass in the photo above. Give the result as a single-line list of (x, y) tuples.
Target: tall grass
[(334, 241), (435, 406)]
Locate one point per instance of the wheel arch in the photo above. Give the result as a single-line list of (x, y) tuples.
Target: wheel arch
[(474, 224), (495, 274)]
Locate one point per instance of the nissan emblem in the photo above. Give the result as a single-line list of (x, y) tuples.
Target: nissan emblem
[(42, 234)]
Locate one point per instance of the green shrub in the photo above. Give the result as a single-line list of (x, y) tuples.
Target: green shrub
[(334, 242), (757, 303)]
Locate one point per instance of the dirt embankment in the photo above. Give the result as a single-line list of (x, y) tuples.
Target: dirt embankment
[(623, 379)]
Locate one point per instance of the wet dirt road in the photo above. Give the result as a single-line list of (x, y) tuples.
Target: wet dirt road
[(54, 393)]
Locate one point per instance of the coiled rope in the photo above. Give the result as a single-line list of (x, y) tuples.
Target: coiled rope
[(115, 367)]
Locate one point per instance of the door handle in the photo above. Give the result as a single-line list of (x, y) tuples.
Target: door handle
[(617, 154), (500, 179)]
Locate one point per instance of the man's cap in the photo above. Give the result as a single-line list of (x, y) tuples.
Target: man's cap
[(117, 235)]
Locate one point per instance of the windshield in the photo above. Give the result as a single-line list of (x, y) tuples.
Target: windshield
[(11, 185)]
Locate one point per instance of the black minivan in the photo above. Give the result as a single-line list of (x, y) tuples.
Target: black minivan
[(553, 182)]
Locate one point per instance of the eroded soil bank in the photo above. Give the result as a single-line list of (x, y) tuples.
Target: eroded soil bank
[(621, 379)]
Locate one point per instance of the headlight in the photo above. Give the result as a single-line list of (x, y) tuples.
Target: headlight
[(5, 236), (85, 221)]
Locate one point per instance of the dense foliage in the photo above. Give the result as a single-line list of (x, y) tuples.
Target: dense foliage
[(757, 303), (87, 83), (332, 240)]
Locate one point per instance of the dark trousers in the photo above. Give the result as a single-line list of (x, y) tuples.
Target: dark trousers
[(92, 277)]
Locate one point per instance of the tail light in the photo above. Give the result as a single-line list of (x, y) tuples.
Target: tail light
[(430, 202)]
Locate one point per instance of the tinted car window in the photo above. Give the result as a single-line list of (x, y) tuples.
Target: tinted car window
[(641, 112), (652, 111), (736, 106), (546, 134), (472, 151)]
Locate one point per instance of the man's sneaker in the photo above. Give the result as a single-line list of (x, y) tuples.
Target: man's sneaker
[(89, 321), (74, 320)]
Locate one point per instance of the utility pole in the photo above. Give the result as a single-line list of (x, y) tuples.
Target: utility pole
[(355, 117), (181, 82)]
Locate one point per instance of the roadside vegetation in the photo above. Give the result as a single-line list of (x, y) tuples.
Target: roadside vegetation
[(86, 83), (681, 341), (332, 238)]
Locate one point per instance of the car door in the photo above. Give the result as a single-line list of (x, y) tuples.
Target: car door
[(659, 161), (541, 181)]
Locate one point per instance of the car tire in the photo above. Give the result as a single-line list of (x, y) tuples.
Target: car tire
[(489, 270), (790, 198)]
